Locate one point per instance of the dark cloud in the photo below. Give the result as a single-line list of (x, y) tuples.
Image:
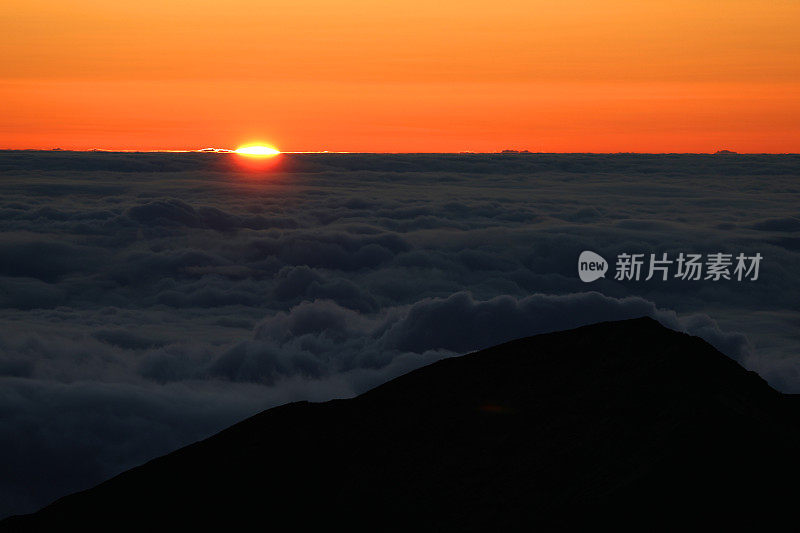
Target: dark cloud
[(320, 338), (29, 293), (304, 283), (126, 339), (176, 213), (44, 259), (778, 224)]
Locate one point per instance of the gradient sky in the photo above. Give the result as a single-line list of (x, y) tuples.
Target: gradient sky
[(351, 75)]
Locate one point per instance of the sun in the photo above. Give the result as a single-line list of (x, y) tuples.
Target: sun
[(257, 150)]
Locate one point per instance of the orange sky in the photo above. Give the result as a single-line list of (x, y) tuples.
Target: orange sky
[(348, 75)]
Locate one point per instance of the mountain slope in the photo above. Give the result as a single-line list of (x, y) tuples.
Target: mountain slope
[(626, 422)]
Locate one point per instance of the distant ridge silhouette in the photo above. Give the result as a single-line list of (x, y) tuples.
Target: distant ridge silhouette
[(625, 424)]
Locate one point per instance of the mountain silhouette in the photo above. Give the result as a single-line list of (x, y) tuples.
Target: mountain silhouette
[(625, 424)]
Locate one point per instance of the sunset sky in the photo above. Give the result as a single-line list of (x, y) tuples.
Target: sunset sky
[(412, 76)]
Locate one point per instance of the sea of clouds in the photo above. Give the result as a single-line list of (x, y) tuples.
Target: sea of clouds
[(150, 300)]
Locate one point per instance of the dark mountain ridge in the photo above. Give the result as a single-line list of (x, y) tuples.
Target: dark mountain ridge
[(620, 423)]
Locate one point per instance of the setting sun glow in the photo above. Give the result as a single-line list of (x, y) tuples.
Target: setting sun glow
[(410, 76), (258, 151)]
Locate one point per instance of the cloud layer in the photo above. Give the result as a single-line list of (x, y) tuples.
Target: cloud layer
[(148, 300)]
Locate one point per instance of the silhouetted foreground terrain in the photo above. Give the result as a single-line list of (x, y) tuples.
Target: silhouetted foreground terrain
[(626, 421)]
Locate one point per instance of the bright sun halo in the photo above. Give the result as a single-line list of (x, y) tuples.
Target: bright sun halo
[(262, 151)]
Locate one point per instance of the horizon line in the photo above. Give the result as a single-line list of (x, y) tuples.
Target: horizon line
[(334, 152)]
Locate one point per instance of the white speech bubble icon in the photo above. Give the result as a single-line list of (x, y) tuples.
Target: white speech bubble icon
[(591, 266)]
